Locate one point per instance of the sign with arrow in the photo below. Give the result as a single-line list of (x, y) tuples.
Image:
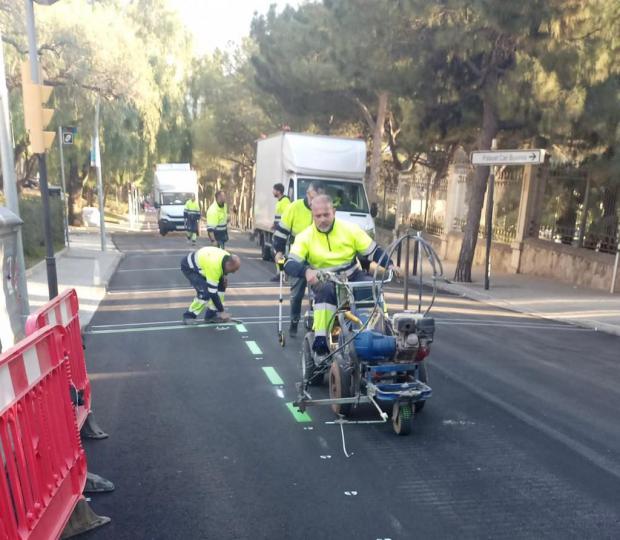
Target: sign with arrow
[(68, 135), (508, 157)]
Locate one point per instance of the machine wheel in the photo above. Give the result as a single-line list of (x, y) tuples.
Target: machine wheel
[(402, 419), (423, 377), (340, 386), (307, 361)]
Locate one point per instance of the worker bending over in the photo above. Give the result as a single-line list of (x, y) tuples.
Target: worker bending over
[(334, 245), (206, 269)]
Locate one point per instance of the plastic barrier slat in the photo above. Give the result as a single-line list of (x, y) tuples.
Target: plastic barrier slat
[(42, 463), (64, 310)]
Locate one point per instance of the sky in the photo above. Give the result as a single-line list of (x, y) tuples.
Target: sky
[(216, 23)]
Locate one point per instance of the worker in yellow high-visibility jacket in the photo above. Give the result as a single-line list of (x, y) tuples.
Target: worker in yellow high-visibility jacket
[(217, 220), (295, 219), (191, 213), (282, 203), (334, 245), (206, 270)]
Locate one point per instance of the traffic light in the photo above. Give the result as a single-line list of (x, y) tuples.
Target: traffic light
[(36, 116)]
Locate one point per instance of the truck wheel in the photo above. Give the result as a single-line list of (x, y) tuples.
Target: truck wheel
[(163, 231), (340, 385), (422, 377)]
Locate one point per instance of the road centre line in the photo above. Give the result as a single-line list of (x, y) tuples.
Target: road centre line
[(175, 321), (272, 319), (273, 376), (179, 326)]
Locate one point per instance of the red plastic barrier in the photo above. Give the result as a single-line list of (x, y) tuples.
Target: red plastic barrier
[(64, 310), (42, 463)]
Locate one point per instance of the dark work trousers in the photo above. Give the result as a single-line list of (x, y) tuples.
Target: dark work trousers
[(298, 291)]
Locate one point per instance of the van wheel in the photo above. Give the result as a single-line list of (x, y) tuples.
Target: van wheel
[(163, 232)]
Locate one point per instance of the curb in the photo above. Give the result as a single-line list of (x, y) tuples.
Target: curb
[(447, 286), (41, 264)]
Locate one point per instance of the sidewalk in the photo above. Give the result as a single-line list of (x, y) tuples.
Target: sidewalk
[(540, 297), (82, 266)]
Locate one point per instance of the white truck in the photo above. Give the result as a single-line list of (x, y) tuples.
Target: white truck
[(173, 185), (295, 160)]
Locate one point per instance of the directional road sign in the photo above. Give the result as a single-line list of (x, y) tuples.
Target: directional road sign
[(508, 157)]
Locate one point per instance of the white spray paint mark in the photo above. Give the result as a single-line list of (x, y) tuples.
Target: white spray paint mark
[(323, 443), (350, 493), (326, 457), (458, 423), (308, 428)]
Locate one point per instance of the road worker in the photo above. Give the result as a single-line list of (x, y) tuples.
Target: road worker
[(295, 219), (206, 269), (283, 202), (334, 245), (217, 220), (191, 213)]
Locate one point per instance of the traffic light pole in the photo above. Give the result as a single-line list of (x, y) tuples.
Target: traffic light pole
[(50, 260), (10, 188)]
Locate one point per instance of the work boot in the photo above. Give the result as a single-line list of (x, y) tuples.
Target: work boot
[(292, 330), (188, 316), (320, 346), (210, 315)]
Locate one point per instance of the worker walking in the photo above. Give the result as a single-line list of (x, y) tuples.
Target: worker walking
[(283, 202), (217, 220), (206, 270), (191, 213), (295, 219), (333, 245)]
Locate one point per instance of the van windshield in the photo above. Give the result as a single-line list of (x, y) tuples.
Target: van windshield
[(173, 199), (347, 196)]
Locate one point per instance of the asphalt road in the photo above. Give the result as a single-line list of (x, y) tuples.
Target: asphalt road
[(520, 439)]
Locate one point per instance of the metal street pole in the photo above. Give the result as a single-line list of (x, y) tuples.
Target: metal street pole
[(10, 181), (489, 221), (52, 279), (99, 180), (617, 259), (65, 209)]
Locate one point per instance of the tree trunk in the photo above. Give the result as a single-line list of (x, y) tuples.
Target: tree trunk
[(377, 142), (479, 185)]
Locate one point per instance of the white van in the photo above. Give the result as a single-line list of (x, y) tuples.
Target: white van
[(173, 185)]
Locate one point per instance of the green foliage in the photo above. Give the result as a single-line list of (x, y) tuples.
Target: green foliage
[(31, 213)]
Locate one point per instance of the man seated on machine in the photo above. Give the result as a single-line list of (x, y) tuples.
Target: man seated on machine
[(330, 244)]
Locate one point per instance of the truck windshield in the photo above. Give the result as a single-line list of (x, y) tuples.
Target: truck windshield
[(347, 196), (172, 199)]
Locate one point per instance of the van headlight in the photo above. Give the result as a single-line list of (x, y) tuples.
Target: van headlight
[(371, 232)]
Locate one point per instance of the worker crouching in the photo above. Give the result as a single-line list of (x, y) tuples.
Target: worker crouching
[(206, 270)]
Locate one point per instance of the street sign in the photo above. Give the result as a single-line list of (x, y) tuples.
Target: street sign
[(68, 135), (508, 157)]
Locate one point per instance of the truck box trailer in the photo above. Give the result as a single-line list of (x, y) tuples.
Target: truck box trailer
[(295, 160)]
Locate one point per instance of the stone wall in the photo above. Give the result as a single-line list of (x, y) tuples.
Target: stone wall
[(582, 267)]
